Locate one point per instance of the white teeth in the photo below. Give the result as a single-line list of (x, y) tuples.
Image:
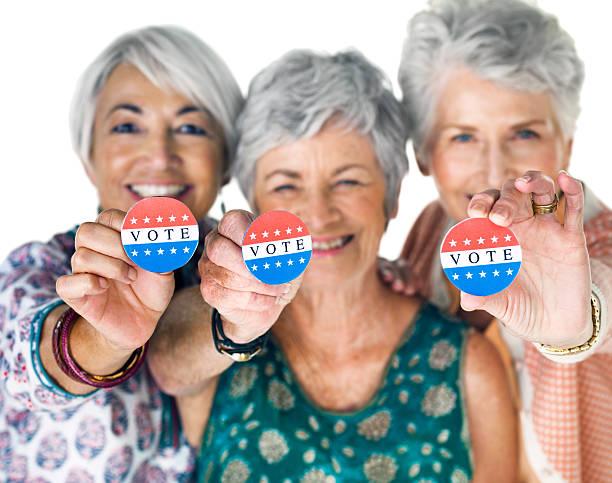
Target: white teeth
[(327, 245), (146, 190)]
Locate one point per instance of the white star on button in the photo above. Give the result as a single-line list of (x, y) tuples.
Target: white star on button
[(253, 236), (467, 241), (494, 239), (147, 252), (452, 243), (481, 241), (186, 250), (496, 273), (266, 265), (455, 276), (288, 231), (299, 229), (159, 219), (147, 219), (509, 271), (290, 262), (133, 220), (277, 232), (172, 218), (278, 264), (254, 268), (507, 238), (302, 260), (468, 275), (265, 234), (482, 274), (134, 253), (185, 217), (173, 251), (160, 251)]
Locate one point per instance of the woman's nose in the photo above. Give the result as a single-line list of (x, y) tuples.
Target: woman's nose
[(318, 212), (160, 150), (497, 165)]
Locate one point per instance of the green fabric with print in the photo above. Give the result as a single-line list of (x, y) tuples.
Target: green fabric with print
[(262, 427)]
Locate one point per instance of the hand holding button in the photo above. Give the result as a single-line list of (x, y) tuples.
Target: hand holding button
[(248, 305), (119, 299), (549, 302)]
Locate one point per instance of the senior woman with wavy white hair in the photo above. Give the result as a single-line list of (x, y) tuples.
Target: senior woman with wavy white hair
[(357, 383), (493, 91), (153, 115)]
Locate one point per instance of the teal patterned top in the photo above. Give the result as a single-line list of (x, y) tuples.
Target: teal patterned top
[(263, 428)]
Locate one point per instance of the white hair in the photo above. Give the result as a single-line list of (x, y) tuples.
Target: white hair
[(509, 42), (171, 58), (296, 95)]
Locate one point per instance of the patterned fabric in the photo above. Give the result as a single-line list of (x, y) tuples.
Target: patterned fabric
[(48, 434), (566, 408), (263, 427)]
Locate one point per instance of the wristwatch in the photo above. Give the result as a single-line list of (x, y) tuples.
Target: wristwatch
[(225, 345)]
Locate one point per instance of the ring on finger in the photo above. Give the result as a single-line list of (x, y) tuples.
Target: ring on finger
[(546, 209)]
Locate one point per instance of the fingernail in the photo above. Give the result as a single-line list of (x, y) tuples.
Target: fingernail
[(103, 282), (525, 178), (132, 274), (478, 207)]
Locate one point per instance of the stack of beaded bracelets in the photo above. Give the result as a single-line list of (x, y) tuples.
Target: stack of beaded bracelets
[(69, 366)]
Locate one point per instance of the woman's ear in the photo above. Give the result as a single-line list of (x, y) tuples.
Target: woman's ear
[(567, 154), (90, 172), (418, 155)]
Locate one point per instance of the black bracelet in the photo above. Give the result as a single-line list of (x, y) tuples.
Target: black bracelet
[(224, 344)]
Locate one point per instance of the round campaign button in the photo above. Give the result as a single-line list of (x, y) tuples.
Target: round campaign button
[(480, 257), (277, 247), (159, 234)]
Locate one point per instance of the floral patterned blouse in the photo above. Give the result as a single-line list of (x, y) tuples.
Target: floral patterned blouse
[(263, 428), (49, 435)]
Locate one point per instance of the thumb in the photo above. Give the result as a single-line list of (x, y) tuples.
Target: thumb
[(493, 304)]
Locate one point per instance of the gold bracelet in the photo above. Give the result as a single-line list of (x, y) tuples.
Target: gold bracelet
[(595, 315)]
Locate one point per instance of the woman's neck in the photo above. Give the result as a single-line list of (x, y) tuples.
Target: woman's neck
[(334, 322)]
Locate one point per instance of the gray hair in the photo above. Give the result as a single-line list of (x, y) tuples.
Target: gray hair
[(296, 95), (172, 58), (508, 42)]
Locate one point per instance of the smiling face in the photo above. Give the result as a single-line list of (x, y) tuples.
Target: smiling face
[(150, 142), (485, 133), (334, 183)]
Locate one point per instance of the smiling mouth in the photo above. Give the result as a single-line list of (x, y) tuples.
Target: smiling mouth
[(330, 246), (147, 190)]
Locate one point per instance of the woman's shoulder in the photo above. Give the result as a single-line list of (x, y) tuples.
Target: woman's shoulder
[(51, 257)]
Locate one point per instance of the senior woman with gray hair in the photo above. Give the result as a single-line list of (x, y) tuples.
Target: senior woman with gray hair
[(153, 115), (357, 383), (493, 91)]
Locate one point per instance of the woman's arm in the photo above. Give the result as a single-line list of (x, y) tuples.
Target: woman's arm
[(491, 414), (183, 358)]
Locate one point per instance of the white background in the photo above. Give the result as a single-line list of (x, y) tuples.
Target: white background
[(44, 46)]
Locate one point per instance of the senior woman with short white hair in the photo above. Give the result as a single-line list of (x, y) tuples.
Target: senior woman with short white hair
[(493, 90), (153, 115), (357, 383)]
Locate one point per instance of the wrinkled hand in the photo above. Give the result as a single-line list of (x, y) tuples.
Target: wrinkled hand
[(119, 299), (399, 277), (247, 306), (549, 301)]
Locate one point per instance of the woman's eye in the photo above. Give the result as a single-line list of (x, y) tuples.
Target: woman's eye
[(527, 134), (283, 188), (463, 138), (125, 128), (191, 129), (347, 182)]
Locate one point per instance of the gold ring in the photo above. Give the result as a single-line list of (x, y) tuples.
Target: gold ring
[(545, 209)]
